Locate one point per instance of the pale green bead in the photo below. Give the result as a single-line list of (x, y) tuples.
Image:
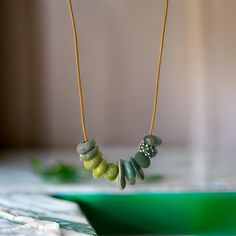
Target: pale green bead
[(112, 172), (93, 163), (100, 169), (90, 154), (85, 146)]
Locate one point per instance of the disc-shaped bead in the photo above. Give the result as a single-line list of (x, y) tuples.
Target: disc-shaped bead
[(142, 160), (129, 172), (112, 172), (138, 169), (85, 146), (152, 140), (100, 169), (94, 162), (121, 175), (90, 154)]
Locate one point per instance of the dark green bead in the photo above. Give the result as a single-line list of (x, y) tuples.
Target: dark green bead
[(138, 169), (85, 146), (121, 174), (152, 140), (142, 160), (148, 150), (129, 172), (90, 154)]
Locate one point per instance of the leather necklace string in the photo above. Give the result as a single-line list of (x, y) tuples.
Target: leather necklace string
[(158, 71), (78, 73)]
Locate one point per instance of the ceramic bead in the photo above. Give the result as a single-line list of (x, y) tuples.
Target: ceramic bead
[(100, 169), (121, 175), (142, 160), (138, 169), (148, 150), (94, 162), (85, 146), (112, 172), (129, 172), (152, 140), (90, 154)]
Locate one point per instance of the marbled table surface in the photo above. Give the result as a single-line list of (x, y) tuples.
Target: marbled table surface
[(183, 169), (27, 209)]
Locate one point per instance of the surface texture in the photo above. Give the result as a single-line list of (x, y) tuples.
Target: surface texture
[(36, 214), (183, 171)]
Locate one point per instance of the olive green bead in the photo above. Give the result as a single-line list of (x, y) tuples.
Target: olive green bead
[(100, 169), (121, 175), (129, 172), (85, 146), (142, 160), (138, 169), (93, 163), (90, 154), (152, 140), (112, 172)]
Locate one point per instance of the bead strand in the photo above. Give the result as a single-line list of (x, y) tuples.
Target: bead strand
[(142, 159), (128, 170), (92, 159)]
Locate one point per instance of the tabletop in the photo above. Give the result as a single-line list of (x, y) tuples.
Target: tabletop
[(27, 205)]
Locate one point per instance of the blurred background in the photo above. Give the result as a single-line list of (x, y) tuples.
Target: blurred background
[(40, 123), (119, 44)]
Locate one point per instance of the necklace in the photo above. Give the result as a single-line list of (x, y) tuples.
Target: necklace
[(89, 153)]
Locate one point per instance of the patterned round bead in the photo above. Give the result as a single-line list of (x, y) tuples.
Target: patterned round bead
[(100, 169), (85, 146), (129, 172), (112, 172), (90, 154), (142, 160), (93, 163), (152, 140), (148, 150), (121, 175), (137, 168)]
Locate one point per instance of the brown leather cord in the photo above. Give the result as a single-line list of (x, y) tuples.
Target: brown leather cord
[(158, 72)]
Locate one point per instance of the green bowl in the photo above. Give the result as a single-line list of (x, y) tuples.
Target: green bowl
[(178, 213)]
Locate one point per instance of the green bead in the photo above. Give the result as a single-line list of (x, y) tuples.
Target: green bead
[(85, 146), (129, 172), (137, 168), (112, 172), (142, 160), (100, 169), (121, 175), (90, 154), (93, 163), (148, 150), (152, 140)]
